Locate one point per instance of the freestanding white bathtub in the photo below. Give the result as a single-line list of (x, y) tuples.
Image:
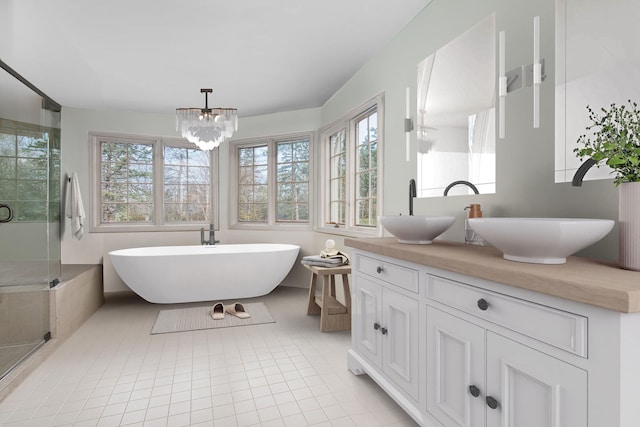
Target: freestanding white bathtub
[(176, 274)]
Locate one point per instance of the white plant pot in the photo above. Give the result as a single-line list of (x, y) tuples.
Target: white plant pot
[(629, 225)]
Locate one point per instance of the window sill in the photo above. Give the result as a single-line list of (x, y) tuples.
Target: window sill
[(137, 228), (349, 232), (275, 227)]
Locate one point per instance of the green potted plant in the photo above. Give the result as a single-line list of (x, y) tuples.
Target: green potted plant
[(614, 139)]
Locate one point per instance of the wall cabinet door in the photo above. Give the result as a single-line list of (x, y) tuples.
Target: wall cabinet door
[(400, 340), (531, 388), (455, 370)]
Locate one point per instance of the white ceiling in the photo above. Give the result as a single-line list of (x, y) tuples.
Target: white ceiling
[(260, 56)]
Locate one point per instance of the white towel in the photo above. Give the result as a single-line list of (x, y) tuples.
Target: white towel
[(73, 207)]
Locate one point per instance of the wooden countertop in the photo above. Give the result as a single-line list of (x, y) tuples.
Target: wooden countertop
[(585, 280)]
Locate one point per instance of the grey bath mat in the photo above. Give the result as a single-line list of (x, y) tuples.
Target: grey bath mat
[(197, 318)]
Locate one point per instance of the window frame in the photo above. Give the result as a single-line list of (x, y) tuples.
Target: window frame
[(157, 222), (348, 122), (340, 180), (271, 142)]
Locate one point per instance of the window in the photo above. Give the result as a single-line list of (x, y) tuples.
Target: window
[(29, 171), (337, 177), (126, 182), (187, 185), (292, 198), (351, 153), (253, 184), (366, 169), (146, 182), (273, 181)]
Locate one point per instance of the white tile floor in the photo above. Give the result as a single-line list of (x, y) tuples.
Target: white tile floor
[(112, 372)]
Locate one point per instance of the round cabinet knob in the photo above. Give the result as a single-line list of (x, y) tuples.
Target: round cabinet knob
[(384, 331), (379, 269), (483, 304), (491, 402), (475, 391), (376, 326)]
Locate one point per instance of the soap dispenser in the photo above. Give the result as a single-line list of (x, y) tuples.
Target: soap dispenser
[(470, 236)]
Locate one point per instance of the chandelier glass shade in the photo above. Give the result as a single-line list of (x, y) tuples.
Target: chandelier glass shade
[(206, 127)]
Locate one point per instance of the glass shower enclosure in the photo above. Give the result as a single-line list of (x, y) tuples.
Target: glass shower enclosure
[(29, 216)]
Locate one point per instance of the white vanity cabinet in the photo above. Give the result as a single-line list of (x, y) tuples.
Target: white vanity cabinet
[(456, 370), (475, 373), (387, 330), (454, 349), (479, 378)]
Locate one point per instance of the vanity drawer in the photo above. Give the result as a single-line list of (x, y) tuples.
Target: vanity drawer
[(558, 328), (397, 275)]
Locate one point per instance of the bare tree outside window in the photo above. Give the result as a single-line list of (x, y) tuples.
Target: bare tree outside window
[(29, 170), (143, 181), (351, 166), (187, 185), (337, 177), (292, 201), (273, 181), (366, 170), (126, 182), (253, 203)]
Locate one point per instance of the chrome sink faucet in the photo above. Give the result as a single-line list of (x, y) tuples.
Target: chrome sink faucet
[(212, 236)]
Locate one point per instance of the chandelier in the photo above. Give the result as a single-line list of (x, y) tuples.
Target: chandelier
[(206, 127)]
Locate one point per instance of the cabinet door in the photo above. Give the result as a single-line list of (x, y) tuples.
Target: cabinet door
[(400, 340), (368, 319), (531, 388), (455, 370)]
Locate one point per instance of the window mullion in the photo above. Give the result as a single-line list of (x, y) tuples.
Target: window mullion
[(351, 175), (158, 182), (272, 182)]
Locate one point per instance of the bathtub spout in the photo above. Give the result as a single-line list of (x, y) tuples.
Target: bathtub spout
[(212, 236)]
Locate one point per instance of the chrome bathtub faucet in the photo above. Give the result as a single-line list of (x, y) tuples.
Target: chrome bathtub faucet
[(212, 236)]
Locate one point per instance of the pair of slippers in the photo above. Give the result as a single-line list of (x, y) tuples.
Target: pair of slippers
[(235, 309)]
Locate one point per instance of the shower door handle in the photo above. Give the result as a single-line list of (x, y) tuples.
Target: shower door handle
[(9, 215)]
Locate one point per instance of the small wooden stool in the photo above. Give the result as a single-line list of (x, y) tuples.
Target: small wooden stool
[(334, 316)]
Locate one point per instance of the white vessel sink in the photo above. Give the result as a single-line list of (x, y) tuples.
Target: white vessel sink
[(541, 240), (416, 229)]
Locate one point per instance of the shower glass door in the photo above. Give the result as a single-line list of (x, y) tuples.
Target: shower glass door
[(29, 217)]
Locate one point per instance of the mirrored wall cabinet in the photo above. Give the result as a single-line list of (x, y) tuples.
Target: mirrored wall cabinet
[(597, 64), (456, 136)]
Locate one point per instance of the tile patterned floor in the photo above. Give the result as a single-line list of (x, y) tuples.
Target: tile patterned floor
[(112, 372)]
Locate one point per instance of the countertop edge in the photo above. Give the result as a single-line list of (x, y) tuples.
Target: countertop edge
[(585, 280)]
